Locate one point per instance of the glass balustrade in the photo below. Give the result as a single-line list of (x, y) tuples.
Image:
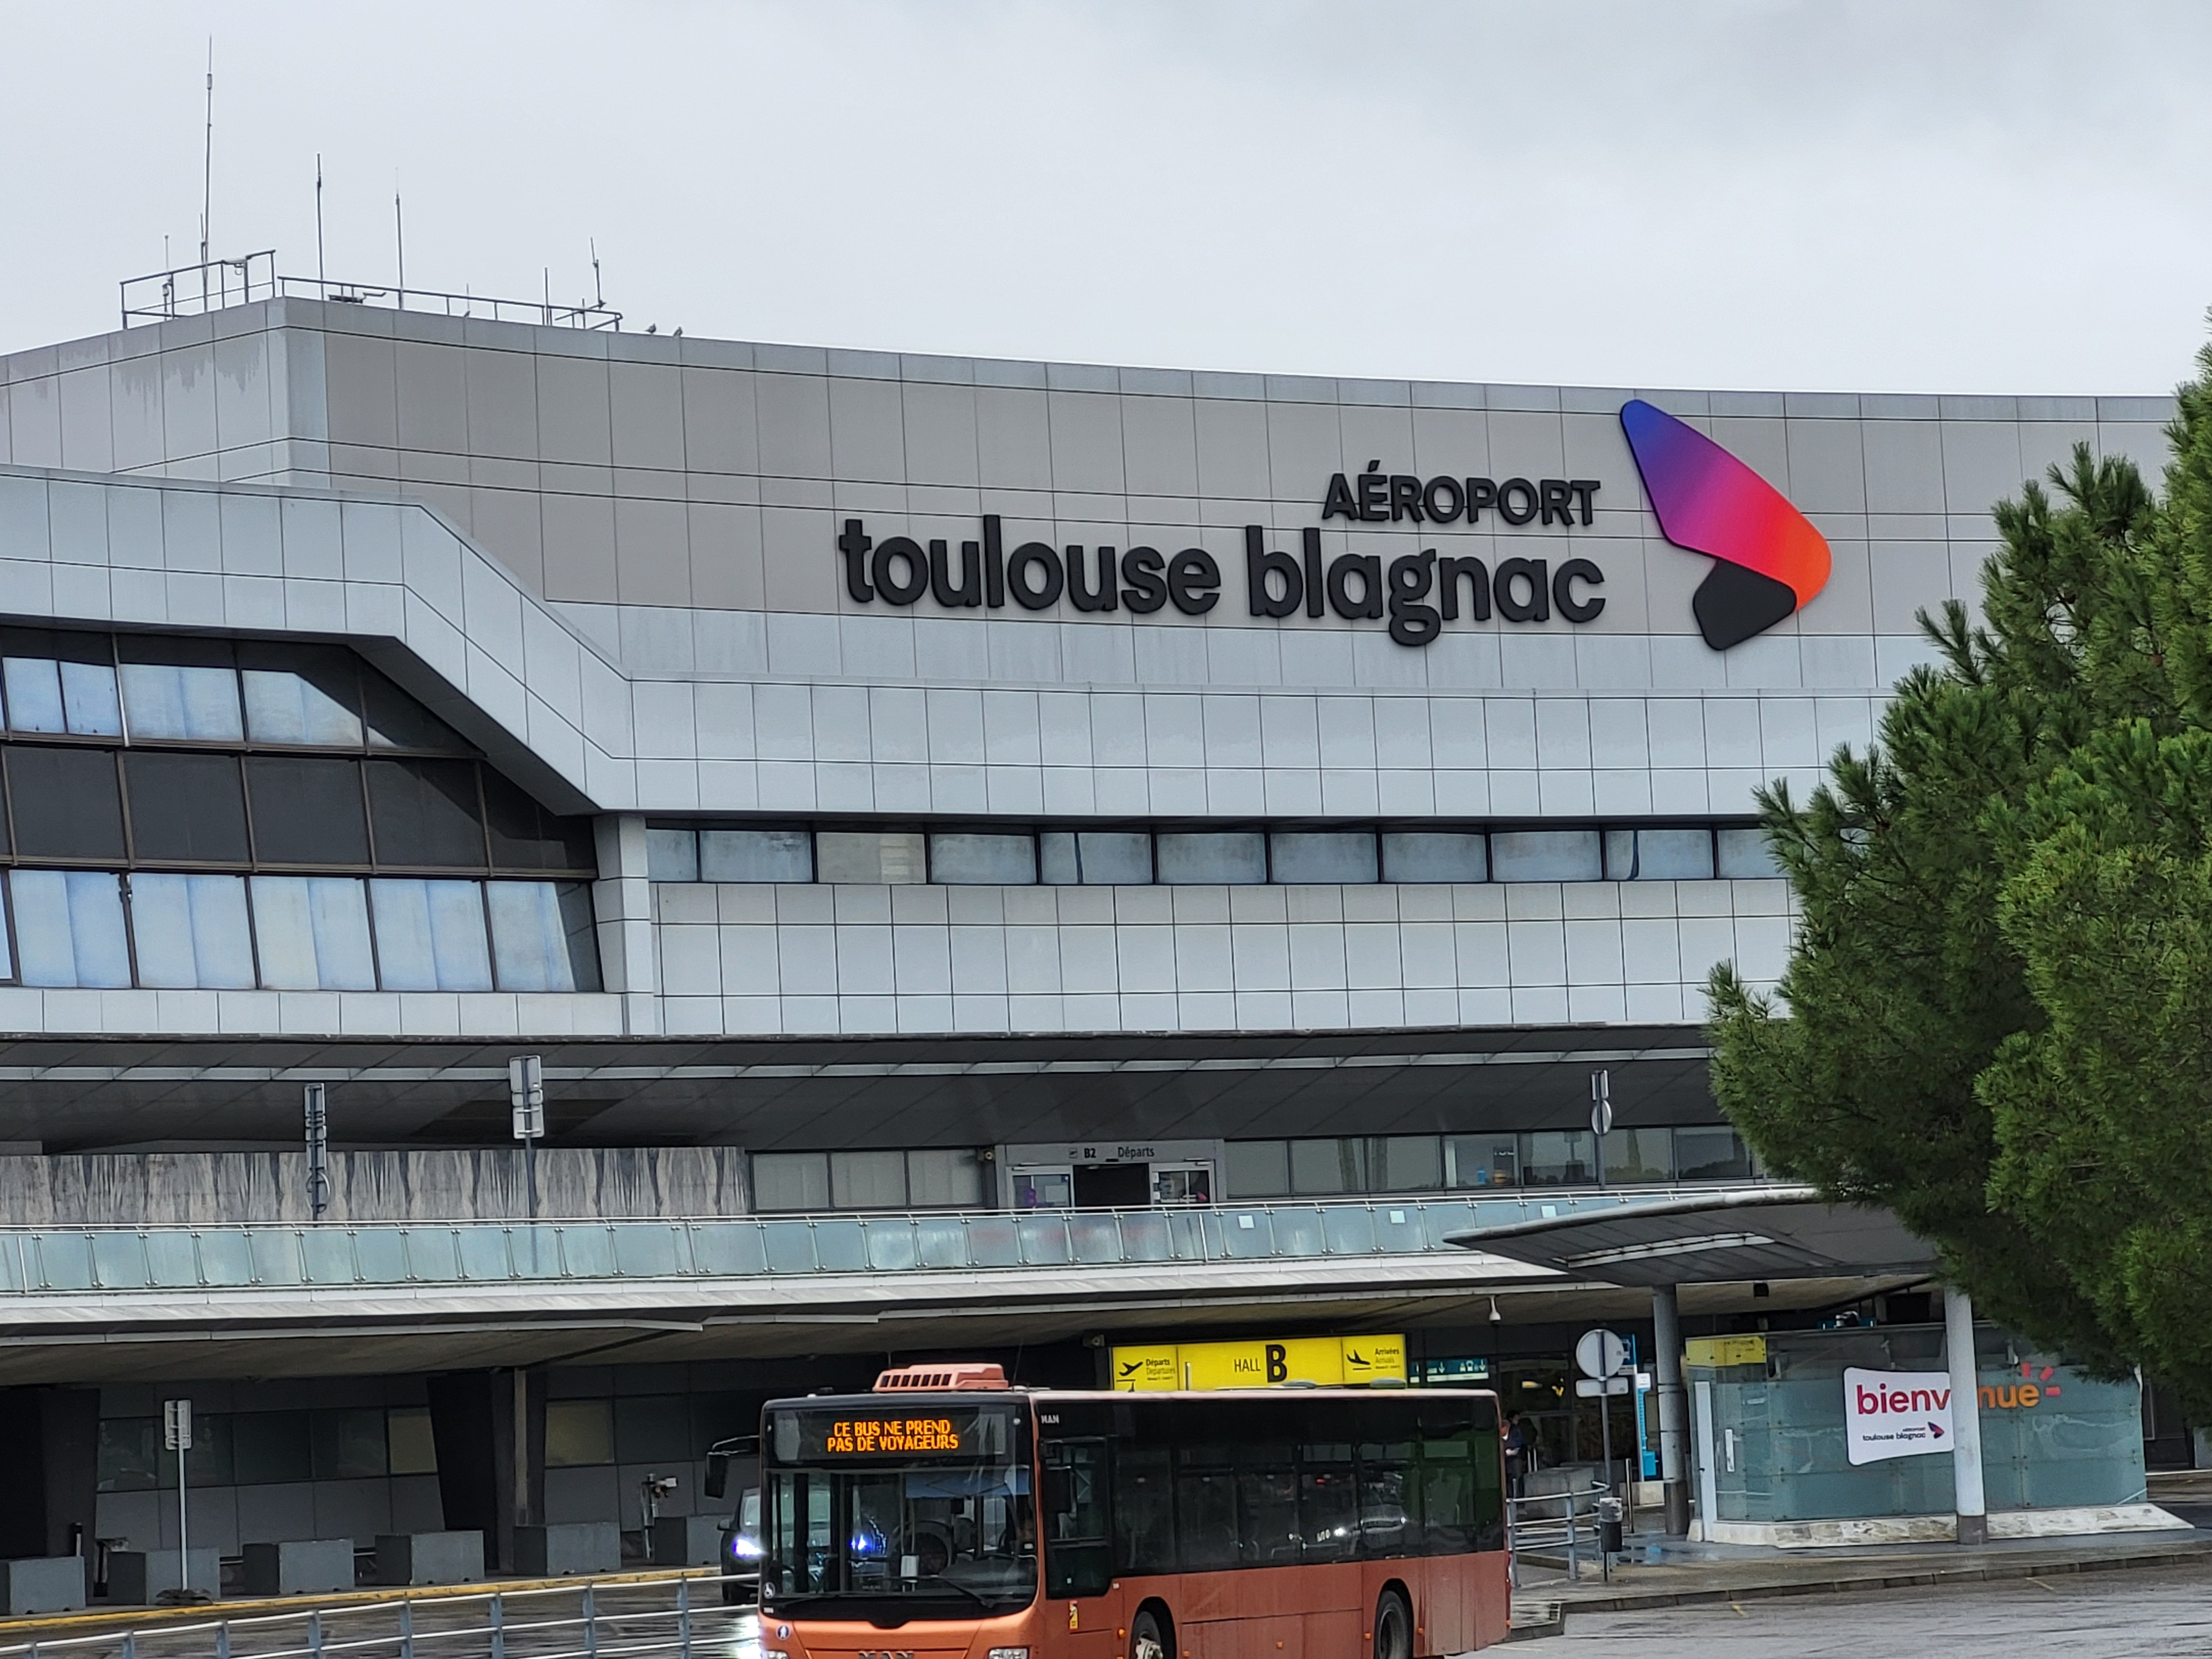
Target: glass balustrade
[(75, 1260)]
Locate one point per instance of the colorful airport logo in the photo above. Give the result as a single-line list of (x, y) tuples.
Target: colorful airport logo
[(1768, 559)]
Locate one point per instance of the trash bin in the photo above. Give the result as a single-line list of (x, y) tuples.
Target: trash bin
[(1608, 1525)]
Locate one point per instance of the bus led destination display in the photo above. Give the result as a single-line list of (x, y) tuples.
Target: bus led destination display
[(869, 1435)]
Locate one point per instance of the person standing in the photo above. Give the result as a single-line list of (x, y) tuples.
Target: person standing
[(1517, 1455)]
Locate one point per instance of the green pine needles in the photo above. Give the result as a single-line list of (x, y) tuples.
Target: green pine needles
[(1996, 1020)]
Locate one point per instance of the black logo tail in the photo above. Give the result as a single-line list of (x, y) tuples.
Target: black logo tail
[(1732, 604)]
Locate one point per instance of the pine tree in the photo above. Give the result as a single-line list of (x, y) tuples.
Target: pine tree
[(1996, 1020)]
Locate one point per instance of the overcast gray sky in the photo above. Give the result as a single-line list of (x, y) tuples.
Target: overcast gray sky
[(1971, 197)]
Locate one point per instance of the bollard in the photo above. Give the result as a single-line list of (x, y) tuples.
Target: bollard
[(406, 1629), (223, 1640), (497, 1617), (315, 1632), (591, 1624)]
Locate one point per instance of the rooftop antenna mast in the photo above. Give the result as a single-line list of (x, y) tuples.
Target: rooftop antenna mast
[(207, 173), (399, 239), (599, 293), (320, 284)]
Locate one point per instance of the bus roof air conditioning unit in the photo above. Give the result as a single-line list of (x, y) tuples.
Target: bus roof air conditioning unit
[(959, 1378)]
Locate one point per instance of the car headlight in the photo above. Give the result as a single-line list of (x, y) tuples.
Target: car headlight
[(747, 1549)]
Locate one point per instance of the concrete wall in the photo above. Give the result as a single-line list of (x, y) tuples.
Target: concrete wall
[(213, 1188)]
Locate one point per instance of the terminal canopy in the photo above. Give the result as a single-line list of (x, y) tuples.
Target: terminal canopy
[(1783, 1232)]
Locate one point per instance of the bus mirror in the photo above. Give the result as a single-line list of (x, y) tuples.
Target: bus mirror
[(1059, 1492), (718, 1472)]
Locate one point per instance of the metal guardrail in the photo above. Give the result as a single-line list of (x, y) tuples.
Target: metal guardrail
[(71, 1260), (1556, 1523), (194, 290), (536, 1623), (584, 1621)]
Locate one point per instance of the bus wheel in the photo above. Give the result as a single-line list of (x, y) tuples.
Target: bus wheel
[(1394, 1627), (1147, 1640)]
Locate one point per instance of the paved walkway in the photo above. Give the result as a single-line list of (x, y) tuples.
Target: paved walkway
[(1678, 1574), (2150, 1615)]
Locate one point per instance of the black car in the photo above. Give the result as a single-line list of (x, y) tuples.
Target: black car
[(740, 1556)]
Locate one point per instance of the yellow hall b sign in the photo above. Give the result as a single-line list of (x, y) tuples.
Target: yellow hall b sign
[(1329, 1361)]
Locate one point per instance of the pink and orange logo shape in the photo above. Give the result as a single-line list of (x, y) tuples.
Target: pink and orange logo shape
[(1769, 561)]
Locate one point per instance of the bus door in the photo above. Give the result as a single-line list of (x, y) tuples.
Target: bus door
[(1078, 1536)]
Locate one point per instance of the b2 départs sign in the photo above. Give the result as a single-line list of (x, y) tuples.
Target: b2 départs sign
[(1768, 559)]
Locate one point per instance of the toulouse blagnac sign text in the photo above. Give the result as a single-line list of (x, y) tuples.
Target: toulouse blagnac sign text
[(1769, 560), (1415, 595)]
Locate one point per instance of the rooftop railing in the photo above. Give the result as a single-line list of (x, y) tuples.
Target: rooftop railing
[(39, 1261), (193, 290)]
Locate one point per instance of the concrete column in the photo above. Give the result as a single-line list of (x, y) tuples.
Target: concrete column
[(1966, 1417), (621, 901), (1674, 1435)]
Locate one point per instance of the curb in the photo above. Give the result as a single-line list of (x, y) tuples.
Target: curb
[(1537, 1620), (93, 1621), (1988, 1573)]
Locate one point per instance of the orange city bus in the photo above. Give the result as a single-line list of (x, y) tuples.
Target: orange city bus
[(947, 1516)]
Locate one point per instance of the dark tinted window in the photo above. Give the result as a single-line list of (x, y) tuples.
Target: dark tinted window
[(1206, 1510), (425, 814), (1328, 1507), (66, 803), (1144, 1509), (268, 1446), (525, 836), (1268, 1504), (350, 1445), (307, 810), (188, 807), (395, 720)]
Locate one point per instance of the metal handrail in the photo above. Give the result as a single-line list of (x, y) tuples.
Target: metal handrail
[(73, 1260), (195, 290), (489, 1626), (1525, 1528)]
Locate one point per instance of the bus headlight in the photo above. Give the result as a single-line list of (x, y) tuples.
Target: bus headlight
[(1009, 1653)]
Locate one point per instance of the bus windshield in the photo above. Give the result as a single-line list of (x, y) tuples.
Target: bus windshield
[(909, 1512)]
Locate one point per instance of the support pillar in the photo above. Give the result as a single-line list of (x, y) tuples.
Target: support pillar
[(1966, 1417), (489, 1430), (1674, 1435)]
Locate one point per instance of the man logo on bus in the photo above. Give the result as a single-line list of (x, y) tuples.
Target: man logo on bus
[(1768, 559)]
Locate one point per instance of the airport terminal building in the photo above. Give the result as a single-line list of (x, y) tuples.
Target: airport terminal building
[(874, 784)]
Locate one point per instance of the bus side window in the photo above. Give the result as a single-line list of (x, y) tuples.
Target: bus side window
[(1267, 1503), (1206, 1509), (1489, 1489), (1387, 1524), (1328, 1504), (1144, 1509), (1448, 1496)]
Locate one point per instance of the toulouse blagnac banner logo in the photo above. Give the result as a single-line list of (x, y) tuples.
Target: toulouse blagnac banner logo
[(1770, 560)]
